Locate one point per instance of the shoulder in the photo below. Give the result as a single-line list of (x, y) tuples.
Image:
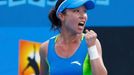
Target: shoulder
[(44, 49)]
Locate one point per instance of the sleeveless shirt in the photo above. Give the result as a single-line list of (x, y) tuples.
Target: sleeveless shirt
[(77, 64)]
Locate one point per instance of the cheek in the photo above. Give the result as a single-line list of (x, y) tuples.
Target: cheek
[(73, 21), (74, 17)]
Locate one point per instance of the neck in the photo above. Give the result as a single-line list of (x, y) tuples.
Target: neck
[(68, 38)]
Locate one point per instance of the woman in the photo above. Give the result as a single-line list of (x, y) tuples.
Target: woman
[(71, 52)]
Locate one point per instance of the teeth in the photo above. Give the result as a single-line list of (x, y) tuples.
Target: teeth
[(81, 23)]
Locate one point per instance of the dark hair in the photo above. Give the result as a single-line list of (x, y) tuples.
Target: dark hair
[(56, 23)]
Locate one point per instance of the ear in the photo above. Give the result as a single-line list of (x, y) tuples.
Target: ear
[(61, 16)]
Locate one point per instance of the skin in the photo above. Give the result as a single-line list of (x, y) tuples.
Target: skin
[(70, 38)]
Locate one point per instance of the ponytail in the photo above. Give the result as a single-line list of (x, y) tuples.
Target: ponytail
[(54, 20)]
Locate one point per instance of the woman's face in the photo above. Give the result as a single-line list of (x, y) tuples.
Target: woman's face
[(74, 19)]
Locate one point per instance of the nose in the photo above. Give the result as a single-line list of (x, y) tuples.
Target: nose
[(83, 15)]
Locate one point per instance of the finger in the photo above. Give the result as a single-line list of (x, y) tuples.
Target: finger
[(87, 31), (90, 34), (93, 33)]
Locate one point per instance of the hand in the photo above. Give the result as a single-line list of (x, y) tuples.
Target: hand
[(91, 37)]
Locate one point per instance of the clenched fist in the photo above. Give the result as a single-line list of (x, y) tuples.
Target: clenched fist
[(91, 37)]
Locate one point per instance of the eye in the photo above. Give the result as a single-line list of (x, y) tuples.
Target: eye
[(76, 10)]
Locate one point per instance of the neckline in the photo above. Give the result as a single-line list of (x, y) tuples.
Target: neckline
[(73, 55), (56, 38)]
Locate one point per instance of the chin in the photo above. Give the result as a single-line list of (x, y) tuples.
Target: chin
[(80, 32)]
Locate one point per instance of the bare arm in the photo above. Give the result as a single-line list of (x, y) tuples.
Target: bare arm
[(44, 68), (98, 67), (95, 53)]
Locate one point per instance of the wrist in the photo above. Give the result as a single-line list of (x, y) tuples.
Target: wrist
[(93, 52)]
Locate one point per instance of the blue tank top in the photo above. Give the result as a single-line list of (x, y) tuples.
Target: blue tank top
[(74, 65)]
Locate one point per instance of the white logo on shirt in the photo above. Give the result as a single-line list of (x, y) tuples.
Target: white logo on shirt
[(76, 62)]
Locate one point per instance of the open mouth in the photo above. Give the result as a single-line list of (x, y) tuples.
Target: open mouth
[(81, 23)]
